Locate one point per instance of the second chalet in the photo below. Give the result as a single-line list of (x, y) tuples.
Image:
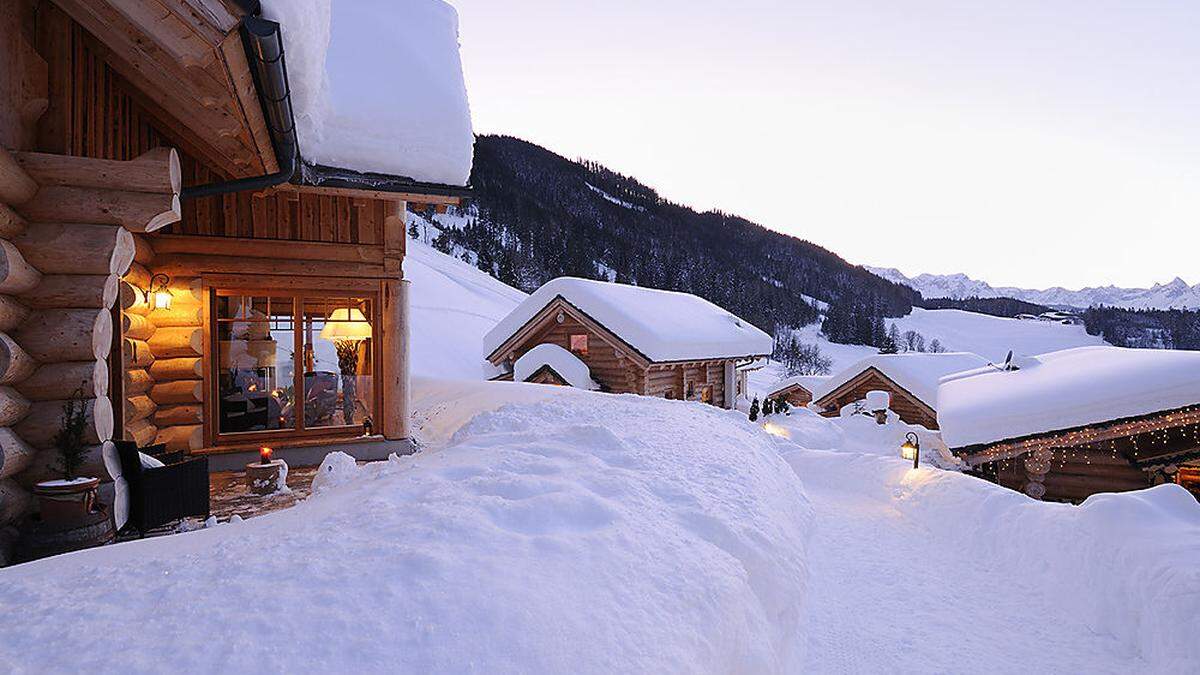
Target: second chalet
[(627, 339)]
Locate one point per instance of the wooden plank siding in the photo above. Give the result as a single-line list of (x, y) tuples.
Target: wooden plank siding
[(610, 369), (94, 112), (907, 406)]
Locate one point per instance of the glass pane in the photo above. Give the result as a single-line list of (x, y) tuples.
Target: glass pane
[(256, 363), (339, 376)]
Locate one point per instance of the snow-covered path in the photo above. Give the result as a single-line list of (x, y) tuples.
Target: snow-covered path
[(888, 595)]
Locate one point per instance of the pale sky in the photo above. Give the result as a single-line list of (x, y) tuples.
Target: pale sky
[(1023, 142)]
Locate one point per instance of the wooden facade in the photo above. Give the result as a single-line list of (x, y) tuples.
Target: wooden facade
[(1071, 465), (904, 403), (795, 394), (106, 114), (614, 364)]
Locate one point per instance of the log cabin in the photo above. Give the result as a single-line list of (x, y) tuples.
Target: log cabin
[(798, 389), (626, 340), (1066, 425), (911, 380), (197, 252)]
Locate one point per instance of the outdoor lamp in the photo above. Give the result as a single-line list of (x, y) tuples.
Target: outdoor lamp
[(160, 294), (911, 448)]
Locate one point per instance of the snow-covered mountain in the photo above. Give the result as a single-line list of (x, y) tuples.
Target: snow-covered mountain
[(1174, 295)]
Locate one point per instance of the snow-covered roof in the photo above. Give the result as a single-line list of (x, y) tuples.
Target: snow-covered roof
[(661, 325), (918, 373), (1065, 390), (377, 86), (561, 361), (809, 382)]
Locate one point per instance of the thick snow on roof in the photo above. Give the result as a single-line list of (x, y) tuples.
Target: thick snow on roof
[(566, 364), (377, 86), (919, 373), (662, 325), (809, 382), (1064, 390)]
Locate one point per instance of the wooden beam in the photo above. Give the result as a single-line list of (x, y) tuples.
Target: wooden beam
[(154, 171), (187, 265), (237, 70), (365, 194), (16, 185), (276, 249), (394, 418), (136, 211)]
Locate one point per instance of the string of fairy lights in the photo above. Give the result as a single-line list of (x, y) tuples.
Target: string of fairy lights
[(1081, 446)]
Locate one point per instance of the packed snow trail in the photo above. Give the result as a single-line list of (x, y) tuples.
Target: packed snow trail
[(889, 595)]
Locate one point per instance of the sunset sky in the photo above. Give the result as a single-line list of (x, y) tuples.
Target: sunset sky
[(1026, 142)]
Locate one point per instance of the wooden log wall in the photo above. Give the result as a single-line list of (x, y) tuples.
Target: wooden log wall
[(901, 403), (60, 270), (1070, 475)]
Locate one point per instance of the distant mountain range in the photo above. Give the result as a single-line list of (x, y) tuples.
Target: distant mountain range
[(1174, 295)]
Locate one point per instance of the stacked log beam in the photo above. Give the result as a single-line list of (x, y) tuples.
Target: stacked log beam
[(177, 345), (17, 275), (66, 243)]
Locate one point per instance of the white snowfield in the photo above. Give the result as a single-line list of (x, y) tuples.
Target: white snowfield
[(377, 86), (567, 365), (662, 325), (1064, 390), (916, 372), (584, 533), (549, 529)]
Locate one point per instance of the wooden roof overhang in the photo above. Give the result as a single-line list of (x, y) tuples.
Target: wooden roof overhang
[(559, 303), (782, 391), (187, 62), (1145, 441), (866, 374)]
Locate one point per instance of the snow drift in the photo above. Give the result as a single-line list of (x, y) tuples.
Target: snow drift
[(585, 533), (1124, 563)]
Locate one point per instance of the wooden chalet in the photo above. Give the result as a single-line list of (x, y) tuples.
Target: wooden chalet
[(1070, 424), (911, 379), (166, 249), (798, 390), (628, 340)]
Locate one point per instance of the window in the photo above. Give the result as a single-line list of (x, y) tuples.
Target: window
[(293, 362), (579, 344)]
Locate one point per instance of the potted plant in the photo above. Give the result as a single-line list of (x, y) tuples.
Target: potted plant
[(71, 497)]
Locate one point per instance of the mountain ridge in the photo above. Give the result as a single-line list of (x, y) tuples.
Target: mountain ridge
[(1175, 294)]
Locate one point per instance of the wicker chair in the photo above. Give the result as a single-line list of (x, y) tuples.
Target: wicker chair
[(163, 494)]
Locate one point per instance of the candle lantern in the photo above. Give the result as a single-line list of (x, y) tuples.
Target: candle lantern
[(264, 454), (911, 448)]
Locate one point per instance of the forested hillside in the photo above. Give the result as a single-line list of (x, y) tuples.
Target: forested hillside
[(537, 216)]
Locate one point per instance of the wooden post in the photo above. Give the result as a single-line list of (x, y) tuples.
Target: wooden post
[(393, 420)]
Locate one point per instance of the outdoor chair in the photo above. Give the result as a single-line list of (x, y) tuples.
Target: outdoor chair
[(159, 495)]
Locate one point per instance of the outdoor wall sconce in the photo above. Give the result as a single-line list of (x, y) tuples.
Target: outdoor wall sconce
[(160, 294), (911, 448)]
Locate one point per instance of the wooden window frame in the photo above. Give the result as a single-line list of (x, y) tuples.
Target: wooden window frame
[(299, 289)]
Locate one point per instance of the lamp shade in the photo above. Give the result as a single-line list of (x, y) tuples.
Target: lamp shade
[(346, 323)]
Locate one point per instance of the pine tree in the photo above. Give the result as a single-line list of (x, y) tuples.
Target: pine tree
[(754, 410), (768, 406), (782, 406), (69, 439)]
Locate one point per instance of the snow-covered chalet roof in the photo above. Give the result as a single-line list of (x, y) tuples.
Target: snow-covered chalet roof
[(918, 373), (377, 86), (809, 382), (661, 325), (1065, 390), (563, 362)]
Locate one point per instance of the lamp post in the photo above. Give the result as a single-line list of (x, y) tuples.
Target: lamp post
[(911, 448)]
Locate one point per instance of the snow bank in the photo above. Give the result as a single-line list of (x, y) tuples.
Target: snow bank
[(1128, 564), (919, 373), (662, 325), (377, 86), (586, 533), (1066, 389), (859, 434), (567, 365)]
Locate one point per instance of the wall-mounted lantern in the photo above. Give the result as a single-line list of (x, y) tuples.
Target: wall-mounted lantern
[(158, 296)]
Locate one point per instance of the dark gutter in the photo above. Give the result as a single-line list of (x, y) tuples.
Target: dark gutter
[(263, 43)]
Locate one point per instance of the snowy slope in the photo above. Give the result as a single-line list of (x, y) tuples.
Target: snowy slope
[(453, 306), (1175, 294), (988, 336)]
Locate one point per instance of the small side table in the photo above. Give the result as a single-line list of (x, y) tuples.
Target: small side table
[(263, 479)]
